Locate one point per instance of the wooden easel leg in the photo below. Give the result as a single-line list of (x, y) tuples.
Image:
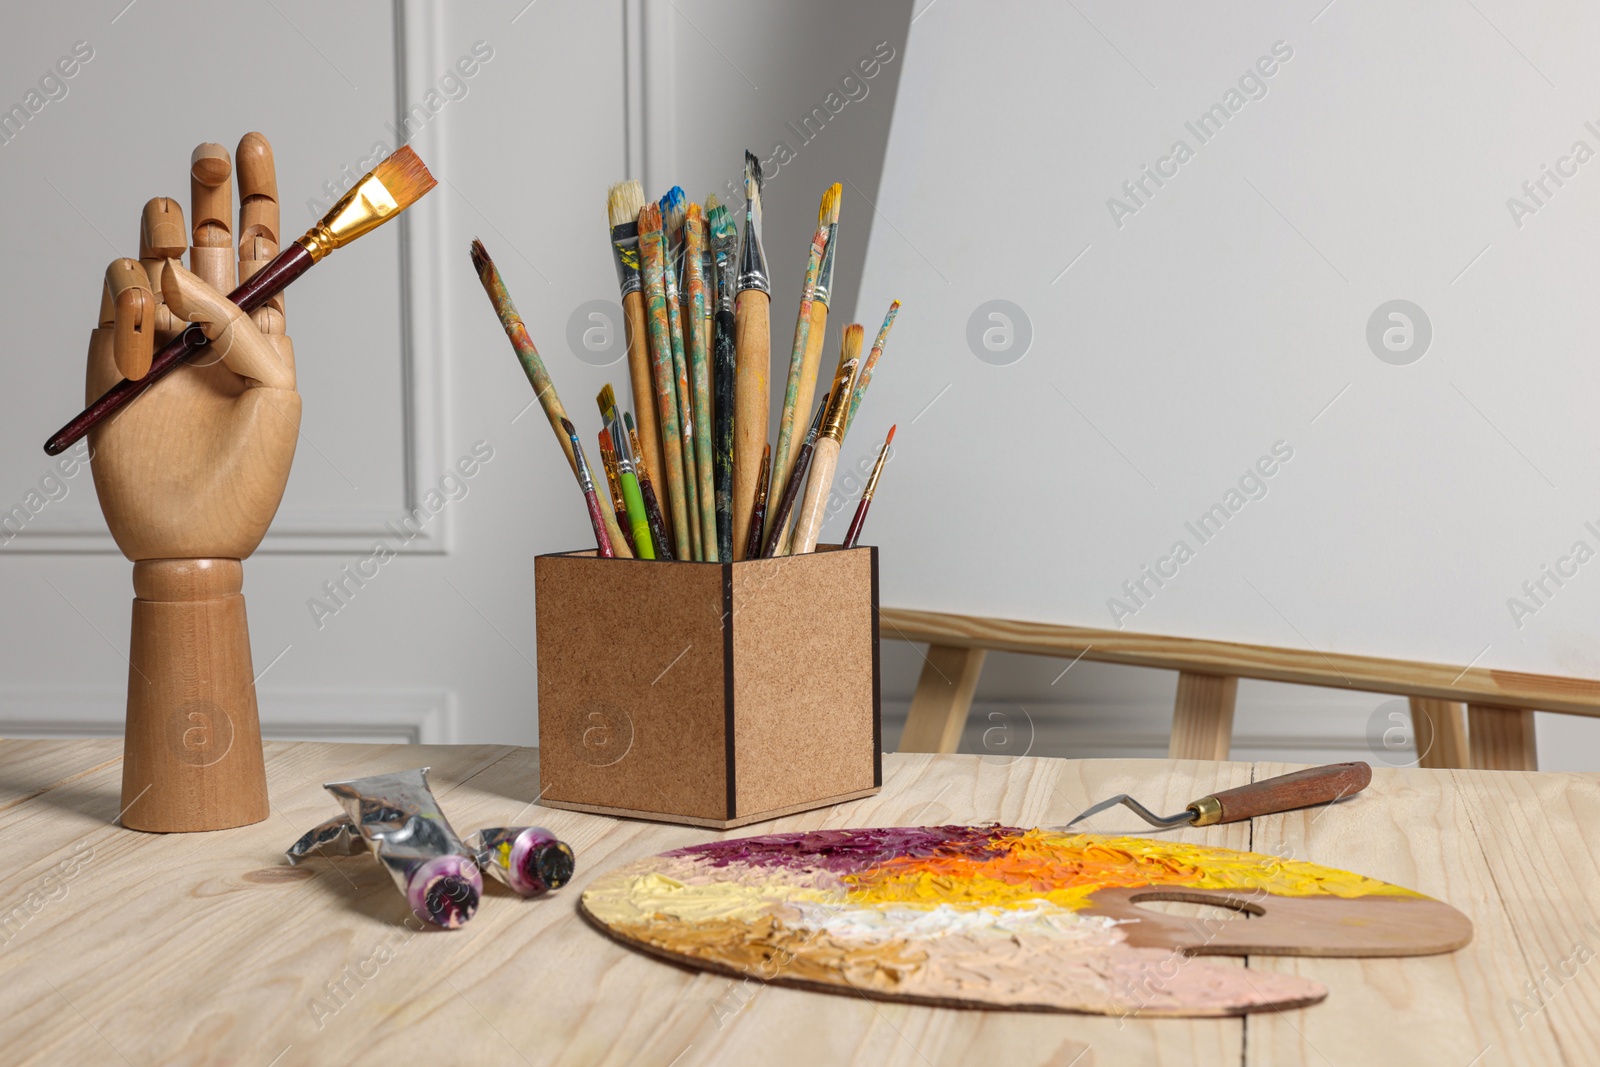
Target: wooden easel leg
[(1501, 739), (1202, 717), (1440, 730), (944, 696)]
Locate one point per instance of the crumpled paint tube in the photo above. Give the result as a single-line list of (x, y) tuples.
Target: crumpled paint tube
[(399, 820), (336, 837), (529, 859)]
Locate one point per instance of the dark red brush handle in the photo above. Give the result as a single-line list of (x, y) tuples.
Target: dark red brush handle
[(791, 492), (852, 535), (263, 285), (1299, 789)]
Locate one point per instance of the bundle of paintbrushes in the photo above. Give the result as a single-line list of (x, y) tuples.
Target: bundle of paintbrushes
[(690, 472)]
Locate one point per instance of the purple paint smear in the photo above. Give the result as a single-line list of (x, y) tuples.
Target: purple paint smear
[(852, 851)]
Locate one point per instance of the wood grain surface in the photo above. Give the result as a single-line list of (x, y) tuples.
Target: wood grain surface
[(129, 948), (1202, 716)]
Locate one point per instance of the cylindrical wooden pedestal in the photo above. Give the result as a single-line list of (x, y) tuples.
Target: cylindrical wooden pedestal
[(192, 751)]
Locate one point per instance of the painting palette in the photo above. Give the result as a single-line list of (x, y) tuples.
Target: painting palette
[(1001, 917)]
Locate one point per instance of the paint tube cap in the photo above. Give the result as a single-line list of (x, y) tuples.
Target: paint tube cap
[(445, 890), (540, 862)]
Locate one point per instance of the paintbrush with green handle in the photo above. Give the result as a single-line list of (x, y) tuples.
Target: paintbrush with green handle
[(627, 478)]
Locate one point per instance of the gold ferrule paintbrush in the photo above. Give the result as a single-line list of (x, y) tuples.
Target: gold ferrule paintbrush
[(391, 187), (825, 458)]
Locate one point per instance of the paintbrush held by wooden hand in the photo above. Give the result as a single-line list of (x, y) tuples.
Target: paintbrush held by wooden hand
[(391, 187)]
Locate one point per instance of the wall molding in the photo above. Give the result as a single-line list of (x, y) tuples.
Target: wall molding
[(400, 716), (649, 91), (418, 56)]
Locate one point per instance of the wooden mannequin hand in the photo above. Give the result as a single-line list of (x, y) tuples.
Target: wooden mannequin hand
[(196, 467)]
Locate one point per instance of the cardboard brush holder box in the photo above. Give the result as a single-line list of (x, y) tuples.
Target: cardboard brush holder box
[(709, 694)]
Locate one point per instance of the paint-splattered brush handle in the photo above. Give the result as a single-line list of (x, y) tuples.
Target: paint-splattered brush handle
[(722, 434), (652, 255), (752, 358), (864, 379), (789, 433), (698, 343), (644, 400), (602, 537), (677, 314), (544, 388), (1298, 789)]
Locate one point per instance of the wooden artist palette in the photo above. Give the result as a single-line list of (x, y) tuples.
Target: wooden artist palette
[(999, 917)]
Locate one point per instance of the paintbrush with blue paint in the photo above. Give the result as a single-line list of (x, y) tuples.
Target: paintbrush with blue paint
[(674, 210)]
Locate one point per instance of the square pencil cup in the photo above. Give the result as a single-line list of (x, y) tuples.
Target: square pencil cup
[(709, 694)]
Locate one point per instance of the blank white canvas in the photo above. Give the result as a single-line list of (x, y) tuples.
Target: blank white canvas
[(1177, 339)]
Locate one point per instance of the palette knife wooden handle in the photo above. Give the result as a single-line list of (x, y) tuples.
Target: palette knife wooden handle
[(1298, 789)]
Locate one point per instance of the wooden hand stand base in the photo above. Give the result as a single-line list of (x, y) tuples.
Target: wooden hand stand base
[(192, 751)]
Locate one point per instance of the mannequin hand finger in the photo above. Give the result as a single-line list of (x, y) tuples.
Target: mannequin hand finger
[(234, 337), (283, 348), (211, 212), (161, 237), (133, 316), (258, 221)]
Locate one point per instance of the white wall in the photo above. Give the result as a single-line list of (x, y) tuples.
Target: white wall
[(402, 365)]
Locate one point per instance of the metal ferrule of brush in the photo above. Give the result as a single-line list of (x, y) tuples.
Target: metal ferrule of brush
[(363, 209), (727, 253), (753, 261), (825, 274), (674, 267), (625, 247), (839, 401), (619, 437)]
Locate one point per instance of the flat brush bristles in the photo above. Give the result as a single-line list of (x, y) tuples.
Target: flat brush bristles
[(828, 214), (607, 399), (674, 209), (480, 257), (405, 176), (623, 201), (380, 195), (854, 334), (752, 186), (752, 259), (650, 219)]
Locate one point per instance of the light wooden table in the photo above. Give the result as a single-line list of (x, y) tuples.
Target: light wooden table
[(121, 947)]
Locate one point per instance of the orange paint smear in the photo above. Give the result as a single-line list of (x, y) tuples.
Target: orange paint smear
[(1066, 868)]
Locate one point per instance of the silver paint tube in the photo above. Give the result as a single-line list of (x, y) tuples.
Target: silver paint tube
[(400, 821), (529, 859)]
